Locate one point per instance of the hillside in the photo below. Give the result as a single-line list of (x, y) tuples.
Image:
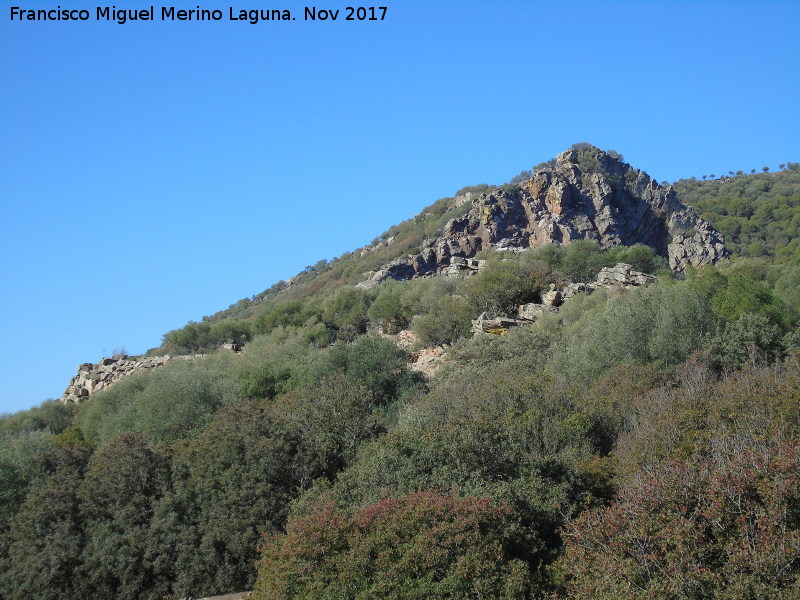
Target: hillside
[(758, 214), (583, 194), (627, 428)]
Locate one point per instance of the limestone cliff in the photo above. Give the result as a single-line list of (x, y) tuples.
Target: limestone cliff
[(585, 193)]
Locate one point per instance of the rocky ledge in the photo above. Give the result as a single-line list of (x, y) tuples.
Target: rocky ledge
[(92, 378)]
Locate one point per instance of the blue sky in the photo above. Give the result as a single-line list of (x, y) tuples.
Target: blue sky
[(153, 173)]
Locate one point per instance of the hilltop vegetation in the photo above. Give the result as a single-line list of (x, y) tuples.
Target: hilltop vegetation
[(639, 443), (759, 214)]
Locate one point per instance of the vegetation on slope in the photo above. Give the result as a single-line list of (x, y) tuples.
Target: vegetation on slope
[(327, 275), (635, 444), (758, 214)]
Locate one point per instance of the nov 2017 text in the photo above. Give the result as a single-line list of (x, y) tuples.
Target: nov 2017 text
[(112, 14)]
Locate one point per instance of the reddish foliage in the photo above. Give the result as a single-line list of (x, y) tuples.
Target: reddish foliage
[(725, 524), (426, 545)]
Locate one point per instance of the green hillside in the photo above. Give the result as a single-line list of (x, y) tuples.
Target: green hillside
[(759, 214), (638, 443)]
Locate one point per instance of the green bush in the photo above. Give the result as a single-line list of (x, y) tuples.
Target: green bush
[(118, 493), (581, 260), (787, 288), (427, 545), (230, 484), (391, 309), (744, 295), (750, 337), (46, 542), (678, 320), (52, 416), (293, 313), (502, 285), (444, 315), (173, 402), (346, 312), (376, 363), (193, 338)]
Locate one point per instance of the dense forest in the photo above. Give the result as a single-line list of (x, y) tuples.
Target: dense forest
[(640, 443)]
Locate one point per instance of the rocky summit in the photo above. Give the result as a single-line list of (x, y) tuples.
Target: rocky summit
[(585, 193)]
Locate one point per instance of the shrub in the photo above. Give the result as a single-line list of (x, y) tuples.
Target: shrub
[(294, 313), (278, 362), (723, 524), (19, 452), (750, 337), (744, 295), (346, 311), (230, 484), (787, 288), (52, 416), (676, 421), (190, 339), (678, 321), (45, 542), (447, 320), (502, 285), (173, 402), (427, 545), (120, 488), (376, 363), (390, 310)]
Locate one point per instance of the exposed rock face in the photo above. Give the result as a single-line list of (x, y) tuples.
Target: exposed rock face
[(624, 275), (620, 275), (587, 194), (425, 360), (428, 360), (461, 266), (92, 378)]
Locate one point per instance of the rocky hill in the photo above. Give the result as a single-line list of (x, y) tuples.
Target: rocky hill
[(522, 409), (585, 193)]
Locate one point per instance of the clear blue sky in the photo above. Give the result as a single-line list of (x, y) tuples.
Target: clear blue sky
[(153, 173)]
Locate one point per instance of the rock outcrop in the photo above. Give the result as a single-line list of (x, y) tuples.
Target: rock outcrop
[(585, 194), (424, 360), (623, 275), (92, 378), (462, 266), (620, 276)]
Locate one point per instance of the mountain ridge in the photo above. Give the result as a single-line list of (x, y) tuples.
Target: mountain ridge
[(423, 244), (586, 194)]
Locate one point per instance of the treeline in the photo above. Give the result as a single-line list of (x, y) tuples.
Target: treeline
[(759, 215), (649, 437), (163, 486)]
